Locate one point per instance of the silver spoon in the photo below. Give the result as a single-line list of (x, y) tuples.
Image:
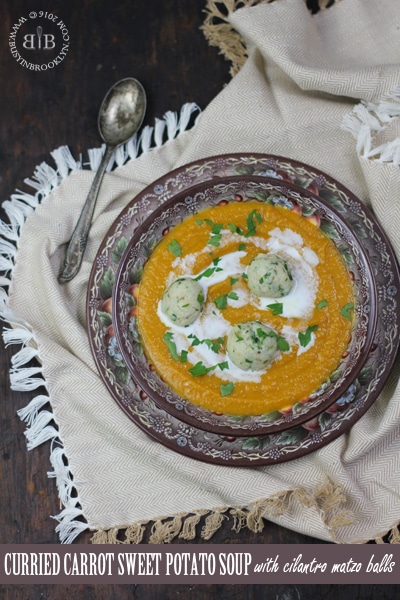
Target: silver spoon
[(120, 116)]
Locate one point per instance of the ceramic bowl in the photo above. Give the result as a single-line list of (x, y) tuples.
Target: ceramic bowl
[(209, 193)]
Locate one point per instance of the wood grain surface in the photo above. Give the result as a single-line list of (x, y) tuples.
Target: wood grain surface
[(160, 43)]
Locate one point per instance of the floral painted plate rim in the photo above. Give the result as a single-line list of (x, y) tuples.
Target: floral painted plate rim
[(251, 450), (189, 202)]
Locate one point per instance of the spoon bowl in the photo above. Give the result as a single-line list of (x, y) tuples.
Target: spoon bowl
[(120, 116), (121, 112)]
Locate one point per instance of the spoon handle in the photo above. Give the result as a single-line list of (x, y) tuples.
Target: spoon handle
[(77, 244)]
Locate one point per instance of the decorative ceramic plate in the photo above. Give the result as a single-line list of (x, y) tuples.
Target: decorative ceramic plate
[(265, 191), (251, 450)]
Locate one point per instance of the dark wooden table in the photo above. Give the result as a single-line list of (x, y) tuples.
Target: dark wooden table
[(160, 43)]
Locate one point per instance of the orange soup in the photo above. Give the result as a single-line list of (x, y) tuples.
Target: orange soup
[(311, 325)]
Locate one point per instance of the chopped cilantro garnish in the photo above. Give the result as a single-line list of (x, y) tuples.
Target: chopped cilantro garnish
[(322, 304), (199, 221), (277, 308), (214, 345), (305, 338), (282, 344), (208, 221), (223, 365), (199, 369), (208, 272), (216, 234), (289, 274), (263, 334), (233, 280), (168, 339), (184, 355), (195, 339), (252, 220), (242, 247), (235, 229), (175, 248), (222, 301), (215, 239), (227, 388), (345, 312)]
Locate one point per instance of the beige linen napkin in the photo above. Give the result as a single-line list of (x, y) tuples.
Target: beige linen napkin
[(304, 77)]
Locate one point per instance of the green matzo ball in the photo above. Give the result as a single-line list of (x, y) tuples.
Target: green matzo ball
[(252, 345), (183, 301), (269, 276)]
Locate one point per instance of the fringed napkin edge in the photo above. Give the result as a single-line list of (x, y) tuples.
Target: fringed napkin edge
[(326, 500), (219, 32), (38, 414)]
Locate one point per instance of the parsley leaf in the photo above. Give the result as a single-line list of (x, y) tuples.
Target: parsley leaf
[(215, 239), (195, 339), (305, 338), (208, 272), (252, 220), (277, 308), (263, 334), (214, 345), (199, 369), (222, 301), (227, 388), (175, 248), (282, 344), (223, 365), (235, 229), (346, 310), (168, 339), (322, 304)]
